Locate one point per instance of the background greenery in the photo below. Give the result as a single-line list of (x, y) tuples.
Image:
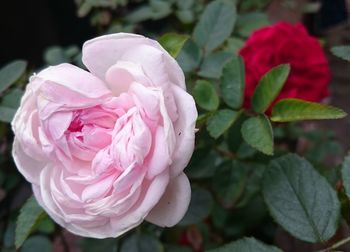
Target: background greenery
[(246, 184)]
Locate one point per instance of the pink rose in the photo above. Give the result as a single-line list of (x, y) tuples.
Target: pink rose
[(106, 149)]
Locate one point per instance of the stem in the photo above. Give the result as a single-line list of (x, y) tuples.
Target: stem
[(336, 245)]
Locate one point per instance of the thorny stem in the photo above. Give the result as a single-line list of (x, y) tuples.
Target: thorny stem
[(336, 245)]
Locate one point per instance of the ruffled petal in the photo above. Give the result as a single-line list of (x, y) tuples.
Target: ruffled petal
[(74, 79), (109, 49), (174, 203), (184, 130), (29, 167)]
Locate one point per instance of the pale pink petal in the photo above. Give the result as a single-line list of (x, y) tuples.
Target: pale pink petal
[(98, 189), (100, 53), (174, 203), (109, 49), (27, 165), (152, 61), (74, 79), (97, 137), (120, 76), (150, 196), (58, 123), (184, 130), (146, 99), (159, 159)]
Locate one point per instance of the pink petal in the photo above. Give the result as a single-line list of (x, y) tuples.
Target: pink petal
[(108, 49), (159, 159), (27, 165), (74, 79), (174, 203), (99, 188), (150, 196), (114, 47), (58, 123), (120, 76), (184, 130), (152, 61)]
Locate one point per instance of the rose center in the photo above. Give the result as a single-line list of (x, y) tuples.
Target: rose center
[(76, 125)]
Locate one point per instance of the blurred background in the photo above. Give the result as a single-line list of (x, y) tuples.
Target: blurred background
[(29, 27)]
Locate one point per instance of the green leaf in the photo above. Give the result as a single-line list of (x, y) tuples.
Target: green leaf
[(221, 121), (141, 242), (12, 99), (300, 199), (9, 235), (269, 87), (46, 226), (200, 207), (246, 245), (160, 9), (253, 185), (234, 137), (140, 14), (10, 73), (234, 45), (215, 25), (173, 42), (213, 64), (157, 9), (229, 182), (232, 83), (248, 23), (37, 243), (248, 5), (189, 57), (205, 95), (345, 172), (29, 218), (257, 132), (342, 52), (202, 164), (55, 55), (185, 16), (288, 110), (6, 114)]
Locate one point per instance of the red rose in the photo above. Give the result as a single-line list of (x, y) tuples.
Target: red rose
[(287, 43)]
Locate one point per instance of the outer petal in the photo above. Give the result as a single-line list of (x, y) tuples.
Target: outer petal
[(149, 198), (75, 79), (184, 130), (173, 205), (29, 167), (111, 49)]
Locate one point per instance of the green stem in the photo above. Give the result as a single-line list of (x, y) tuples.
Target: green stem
[(336, 245)]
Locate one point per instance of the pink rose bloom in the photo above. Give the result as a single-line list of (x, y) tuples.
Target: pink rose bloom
[(106, 149)]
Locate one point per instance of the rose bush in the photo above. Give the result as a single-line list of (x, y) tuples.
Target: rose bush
[(106, 149), (287, 43)]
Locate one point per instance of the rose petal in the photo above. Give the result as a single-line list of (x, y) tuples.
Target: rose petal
[(76, 79), (120, 76), (184, 130), (109, 49), (174, 203), (29, 167), (98, 188), (151, 195), (160, 159)]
